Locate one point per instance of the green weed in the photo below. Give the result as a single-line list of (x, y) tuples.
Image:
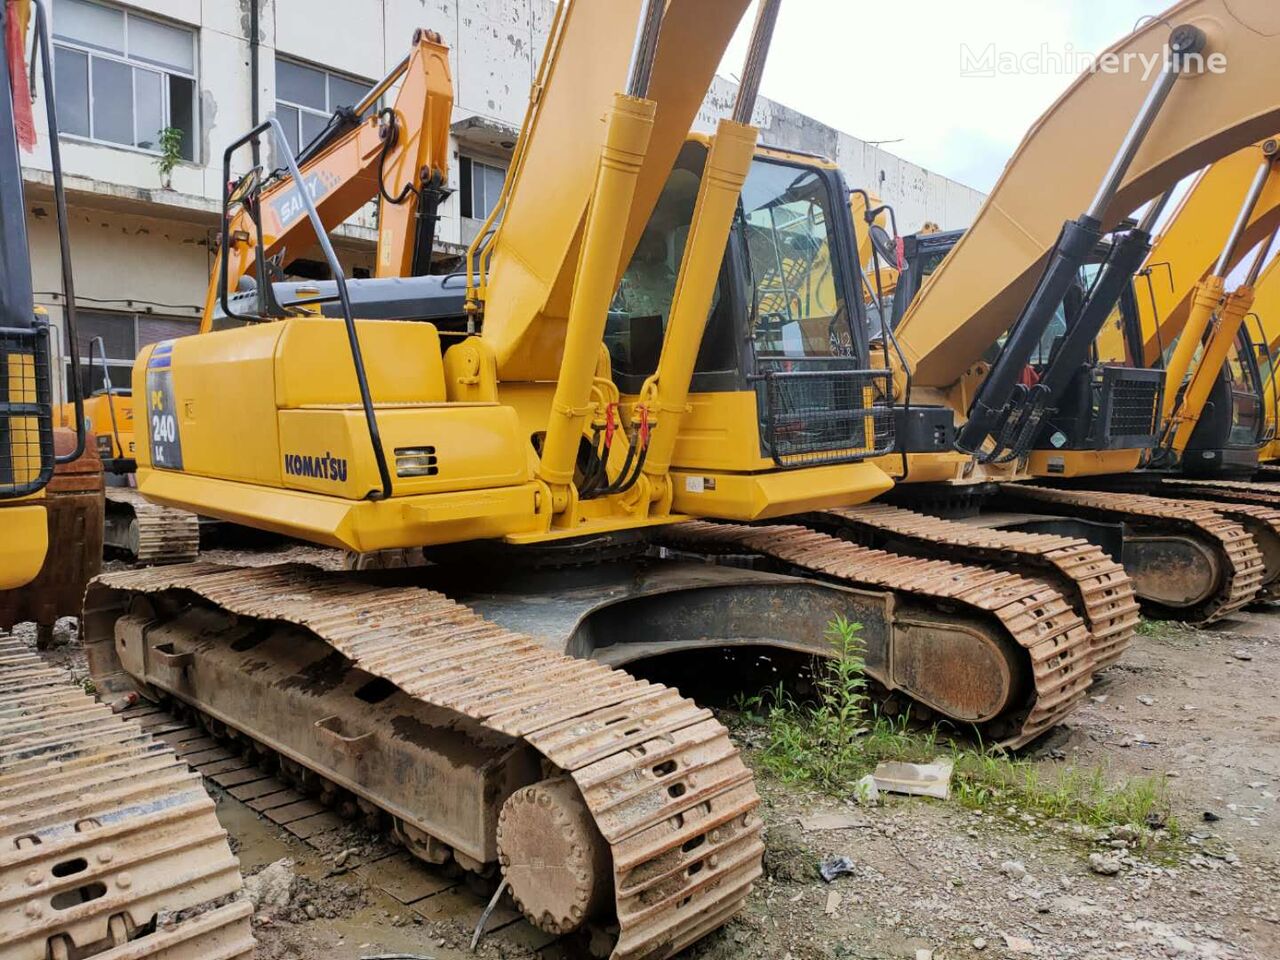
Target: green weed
[(837, 736)]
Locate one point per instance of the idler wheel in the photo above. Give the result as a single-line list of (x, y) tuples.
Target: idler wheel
[(553, 856)]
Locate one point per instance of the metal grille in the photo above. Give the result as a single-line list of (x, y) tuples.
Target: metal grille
[(823, 412), (1129, 406), (26, 411)]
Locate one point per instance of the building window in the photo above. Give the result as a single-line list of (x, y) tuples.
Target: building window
[(306, 98), (123, 78), (480, 187), (123, 336)]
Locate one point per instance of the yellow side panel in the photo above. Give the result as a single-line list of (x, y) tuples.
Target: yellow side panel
[(98, 413), (1082, 463), (224, 398), (721, 431), (780, 493), (925, 467), (24, 544), (313, 362), (429, 449), (362, 525)]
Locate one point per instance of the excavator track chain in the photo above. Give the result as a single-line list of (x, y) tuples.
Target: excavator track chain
[(151, 534), (657, 776), (1035, 617), (1240, 561), (1101, 591), (1263, 523), (109, 845), (1265, 493)]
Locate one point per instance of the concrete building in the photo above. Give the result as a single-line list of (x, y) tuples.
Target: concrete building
[(125, 71)]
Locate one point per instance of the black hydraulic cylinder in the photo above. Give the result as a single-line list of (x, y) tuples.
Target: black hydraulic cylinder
[(1122, 263), (1074, 244)]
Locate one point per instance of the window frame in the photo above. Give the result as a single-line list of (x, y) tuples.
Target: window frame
[(90, 52), (485, 163), (328, 93), (89, 360)]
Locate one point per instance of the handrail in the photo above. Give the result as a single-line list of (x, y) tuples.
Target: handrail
[(101, 344), (64, 230), (335, 268)]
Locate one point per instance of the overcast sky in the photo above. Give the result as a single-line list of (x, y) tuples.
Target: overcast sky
[(886, 71)]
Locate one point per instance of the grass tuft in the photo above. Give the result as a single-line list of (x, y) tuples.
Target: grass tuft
[(833, 739)]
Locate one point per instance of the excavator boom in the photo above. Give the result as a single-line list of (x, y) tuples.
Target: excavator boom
[(532, 260), (975, 295), (398, 155)]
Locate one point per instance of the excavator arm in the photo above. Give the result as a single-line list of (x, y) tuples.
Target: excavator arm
[(1192, 242), (978, 291), (532, 258), (398, 155)]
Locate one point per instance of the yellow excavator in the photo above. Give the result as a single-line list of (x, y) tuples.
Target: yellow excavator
[(1037, 405), (50, 480), (1233, 427), (1266, 312), (140, 531), (679, 335), (109, 845), (679, 338)]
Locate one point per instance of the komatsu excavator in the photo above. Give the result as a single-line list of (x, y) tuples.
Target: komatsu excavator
[(109, 845), (632, 348), (1013, 273)]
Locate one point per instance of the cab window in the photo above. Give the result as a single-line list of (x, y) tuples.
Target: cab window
[(797, 306), (641, 305)]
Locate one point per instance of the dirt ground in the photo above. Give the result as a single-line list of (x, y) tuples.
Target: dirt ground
[(932, 880), (953, 883)]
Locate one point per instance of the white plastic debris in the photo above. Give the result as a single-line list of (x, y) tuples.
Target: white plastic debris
[(916, 779)]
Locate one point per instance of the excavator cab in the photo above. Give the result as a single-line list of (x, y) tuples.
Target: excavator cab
[(1232, 428), (783, 363), (922, 252)]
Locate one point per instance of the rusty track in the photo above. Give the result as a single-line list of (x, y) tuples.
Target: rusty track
[(1260, 493), (1033, 614), (149, 533), (102, 830), (1242, 566), (1098, 588), (662, 783), (1263, 524)]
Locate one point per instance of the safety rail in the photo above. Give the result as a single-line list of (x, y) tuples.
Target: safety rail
[(26, 410), (829, 415), (1129, 407), (27, 454), (249, 197)]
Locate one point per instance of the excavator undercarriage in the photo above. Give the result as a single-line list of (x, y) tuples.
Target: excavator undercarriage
[(149, 533), (606, 800), (109, 845)]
